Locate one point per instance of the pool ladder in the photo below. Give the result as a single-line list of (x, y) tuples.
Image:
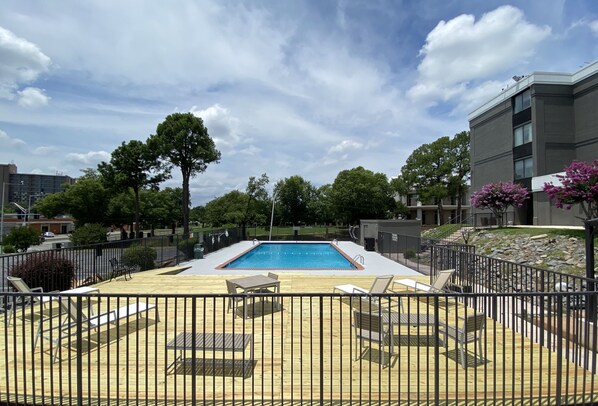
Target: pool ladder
[(359, 258)]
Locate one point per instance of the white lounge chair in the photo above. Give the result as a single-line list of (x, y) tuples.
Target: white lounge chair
[(380, 284), (35, 295), (438, 285), (56, 332)]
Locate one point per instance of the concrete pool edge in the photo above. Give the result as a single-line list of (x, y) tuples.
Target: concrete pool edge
[(357, 266)]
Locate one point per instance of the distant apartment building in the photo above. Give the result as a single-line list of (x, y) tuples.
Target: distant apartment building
[(428, 214), (25, 188), (20, 191), (531, 131)]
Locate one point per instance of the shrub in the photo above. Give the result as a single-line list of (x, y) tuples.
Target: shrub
[(139, 256), (50, 270), (89, 234), (409, 254), (9, 249), (21, 238)]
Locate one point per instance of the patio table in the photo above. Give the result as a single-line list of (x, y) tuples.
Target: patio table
[(255, 282), (204, 343)]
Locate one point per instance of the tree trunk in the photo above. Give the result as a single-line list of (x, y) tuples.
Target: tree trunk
[(186, 205), (440, 213), (137, 225), (459, 198)]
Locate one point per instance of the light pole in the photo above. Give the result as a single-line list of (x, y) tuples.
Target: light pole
[(272, 215), (4, 184), (29, 206)]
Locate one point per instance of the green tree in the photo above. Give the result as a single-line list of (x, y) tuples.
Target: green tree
[(359, 193), (294, 196), (461, 167), (162, 208), (86, 201), (22, 238), (227, 209), (428, 172), (133, 165), (183, 141), (88, 234), (257, 198), (322, 206)]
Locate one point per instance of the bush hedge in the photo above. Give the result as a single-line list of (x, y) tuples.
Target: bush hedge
[(139, 256), (50, 270)]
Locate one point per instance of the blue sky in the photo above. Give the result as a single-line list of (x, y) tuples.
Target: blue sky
[(285, 88)]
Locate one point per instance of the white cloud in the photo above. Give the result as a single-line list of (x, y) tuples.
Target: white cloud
[(42, 151), (344, 146), (5, 140), (22, 62), (32, 97), (462, 50), (594, 27), (89, 158), (221, 125)]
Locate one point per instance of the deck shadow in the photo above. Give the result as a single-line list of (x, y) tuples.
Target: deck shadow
[(238, 368)]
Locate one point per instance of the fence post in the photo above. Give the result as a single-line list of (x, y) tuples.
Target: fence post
[(79, 348)]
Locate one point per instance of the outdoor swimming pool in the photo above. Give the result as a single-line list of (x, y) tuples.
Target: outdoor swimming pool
[(292, 256)]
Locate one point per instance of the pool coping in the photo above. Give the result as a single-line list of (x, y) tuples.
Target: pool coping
[(357, 265)]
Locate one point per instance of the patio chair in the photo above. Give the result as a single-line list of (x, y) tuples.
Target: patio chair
[(271, 275), (119, 269), (437, 286), (233, 300), (471, 330), (374, 328), (71, 322)]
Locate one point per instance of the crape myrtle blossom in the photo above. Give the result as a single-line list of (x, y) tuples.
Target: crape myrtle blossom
[(498, 197), (579, 185)]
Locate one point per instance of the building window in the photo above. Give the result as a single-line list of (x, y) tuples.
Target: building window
[(522, 134), (523, 101), (524, 168)]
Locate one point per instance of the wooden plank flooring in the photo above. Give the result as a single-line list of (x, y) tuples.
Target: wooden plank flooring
[(304, 352)]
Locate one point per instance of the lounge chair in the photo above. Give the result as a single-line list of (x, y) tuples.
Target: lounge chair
[(438, 285), (69, 326), (374, 328), (470, 331), (379, 286), (21, 286)]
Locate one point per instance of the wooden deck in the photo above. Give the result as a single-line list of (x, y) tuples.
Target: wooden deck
[(304, 352)]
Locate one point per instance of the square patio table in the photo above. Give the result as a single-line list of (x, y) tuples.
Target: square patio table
[(255, 282), (204, 343)]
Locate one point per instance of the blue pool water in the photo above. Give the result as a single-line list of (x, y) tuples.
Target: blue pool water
[(292, 256)]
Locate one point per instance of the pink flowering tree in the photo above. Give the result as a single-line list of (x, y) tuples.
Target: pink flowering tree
[(579, 185), (498, 197)]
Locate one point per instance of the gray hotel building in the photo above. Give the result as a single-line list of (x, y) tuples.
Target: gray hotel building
[(530, 132)]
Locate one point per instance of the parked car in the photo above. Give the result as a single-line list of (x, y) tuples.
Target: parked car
[(49, 234)]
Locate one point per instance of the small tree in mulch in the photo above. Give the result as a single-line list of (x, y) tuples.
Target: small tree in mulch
[(50, 270)]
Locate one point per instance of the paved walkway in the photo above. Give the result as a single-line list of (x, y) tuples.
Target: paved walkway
[(374, 263)]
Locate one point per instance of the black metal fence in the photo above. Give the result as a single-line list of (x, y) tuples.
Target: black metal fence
[(414, 252), (297, 348), (92, 261)]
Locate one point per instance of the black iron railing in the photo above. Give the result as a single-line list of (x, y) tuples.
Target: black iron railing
[(298, 348), (92, 262)]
